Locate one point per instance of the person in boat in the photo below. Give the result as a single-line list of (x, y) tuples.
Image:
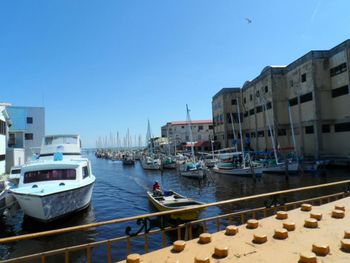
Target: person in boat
[(156, 188)]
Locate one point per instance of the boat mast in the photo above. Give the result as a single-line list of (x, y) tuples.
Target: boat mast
[(189, 123), (233, 130), (240, 131), (292, 129), (149, 138), (167, 136), (270, 129)]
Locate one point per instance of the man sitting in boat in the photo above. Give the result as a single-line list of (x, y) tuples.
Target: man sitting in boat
[(156, 189)]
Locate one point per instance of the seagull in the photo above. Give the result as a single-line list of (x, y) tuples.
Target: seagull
[(248, 20)]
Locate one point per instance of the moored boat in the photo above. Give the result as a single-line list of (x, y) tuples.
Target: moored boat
[(59, 183), (170, 200)]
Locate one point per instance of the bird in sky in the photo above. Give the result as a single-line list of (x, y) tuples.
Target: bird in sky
[(248, 20)]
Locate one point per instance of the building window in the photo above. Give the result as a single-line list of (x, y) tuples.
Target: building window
[(306, 97), (244, 100), (309, 129), (246, 114), (182, 127), (269, 133), (303, 77), (233, 102), (29, 120), (252, 134), (326, 128), (340, 91), (2, 127), (269, 105), (261, 133), (28, 136), (2, 157), (258, 109), (291, 83), (200, 127), (282, 132), (210, 127), (250, 97), (251, 112), (342, 127), (338, 69), (266, 89), (257, 94), (293, 101)]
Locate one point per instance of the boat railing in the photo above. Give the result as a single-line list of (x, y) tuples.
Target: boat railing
[(156, 225)]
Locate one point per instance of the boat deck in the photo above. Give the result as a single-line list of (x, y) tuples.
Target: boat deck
[(242, 248)]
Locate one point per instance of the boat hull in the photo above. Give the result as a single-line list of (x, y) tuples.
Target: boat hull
[(53, 206), (240, 171), (184, 216), (198, 174), (280, 168)]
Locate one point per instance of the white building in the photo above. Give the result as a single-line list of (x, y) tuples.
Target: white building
[(178, 131), (27, 130), (4, 119)]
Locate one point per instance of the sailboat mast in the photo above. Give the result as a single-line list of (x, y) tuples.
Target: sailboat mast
[(292, 128), (240, 131), (233, 130), (272, 135), (190, 131)]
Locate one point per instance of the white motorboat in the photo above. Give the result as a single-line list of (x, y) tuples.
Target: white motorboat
[(150, 163), (192, 170), (58, 183)]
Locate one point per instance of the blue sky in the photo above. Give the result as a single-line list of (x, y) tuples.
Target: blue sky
[(105, 66)]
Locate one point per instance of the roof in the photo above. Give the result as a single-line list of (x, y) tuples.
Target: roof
[(192, 122), (227, 90)]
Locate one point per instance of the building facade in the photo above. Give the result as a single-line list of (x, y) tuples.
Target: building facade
[(27, 130), (311, 95), (178, 131), (4, 123), (225, 116)]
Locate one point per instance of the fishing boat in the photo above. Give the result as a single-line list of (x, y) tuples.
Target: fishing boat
[(150, 163), (128, 159), (190, 168), (58, 183), (168, 163), (170, 200), (239, 163), (149, 160)]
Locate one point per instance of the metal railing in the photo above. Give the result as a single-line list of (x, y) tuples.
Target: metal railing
[(157, 223)]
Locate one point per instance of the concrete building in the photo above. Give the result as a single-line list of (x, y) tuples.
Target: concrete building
[(178, 131), (224, 108), (4, 123), (316, 86), (27, 130)]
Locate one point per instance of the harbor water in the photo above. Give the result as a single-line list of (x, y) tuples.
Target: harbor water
[(120, 191)]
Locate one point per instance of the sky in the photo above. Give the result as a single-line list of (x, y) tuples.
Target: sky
[(101, 67)]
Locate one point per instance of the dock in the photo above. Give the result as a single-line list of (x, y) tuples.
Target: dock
[(316, 237)]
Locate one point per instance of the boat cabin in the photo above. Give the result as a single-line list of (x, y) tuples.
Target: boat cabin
[(63, 144)]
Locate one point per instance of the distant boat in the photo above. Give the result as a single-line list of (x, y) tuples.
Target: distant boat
[(191, 168), (171, 200), (59, 183), (128, 159)]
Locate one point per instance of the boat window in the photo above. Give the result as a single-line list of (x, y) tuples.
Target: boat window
[(49, 140), (85, 172), (49, 175), (16, 171)]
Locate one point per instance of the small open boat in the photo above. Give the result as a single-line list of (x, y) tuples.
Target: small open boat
[(170, 200)]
